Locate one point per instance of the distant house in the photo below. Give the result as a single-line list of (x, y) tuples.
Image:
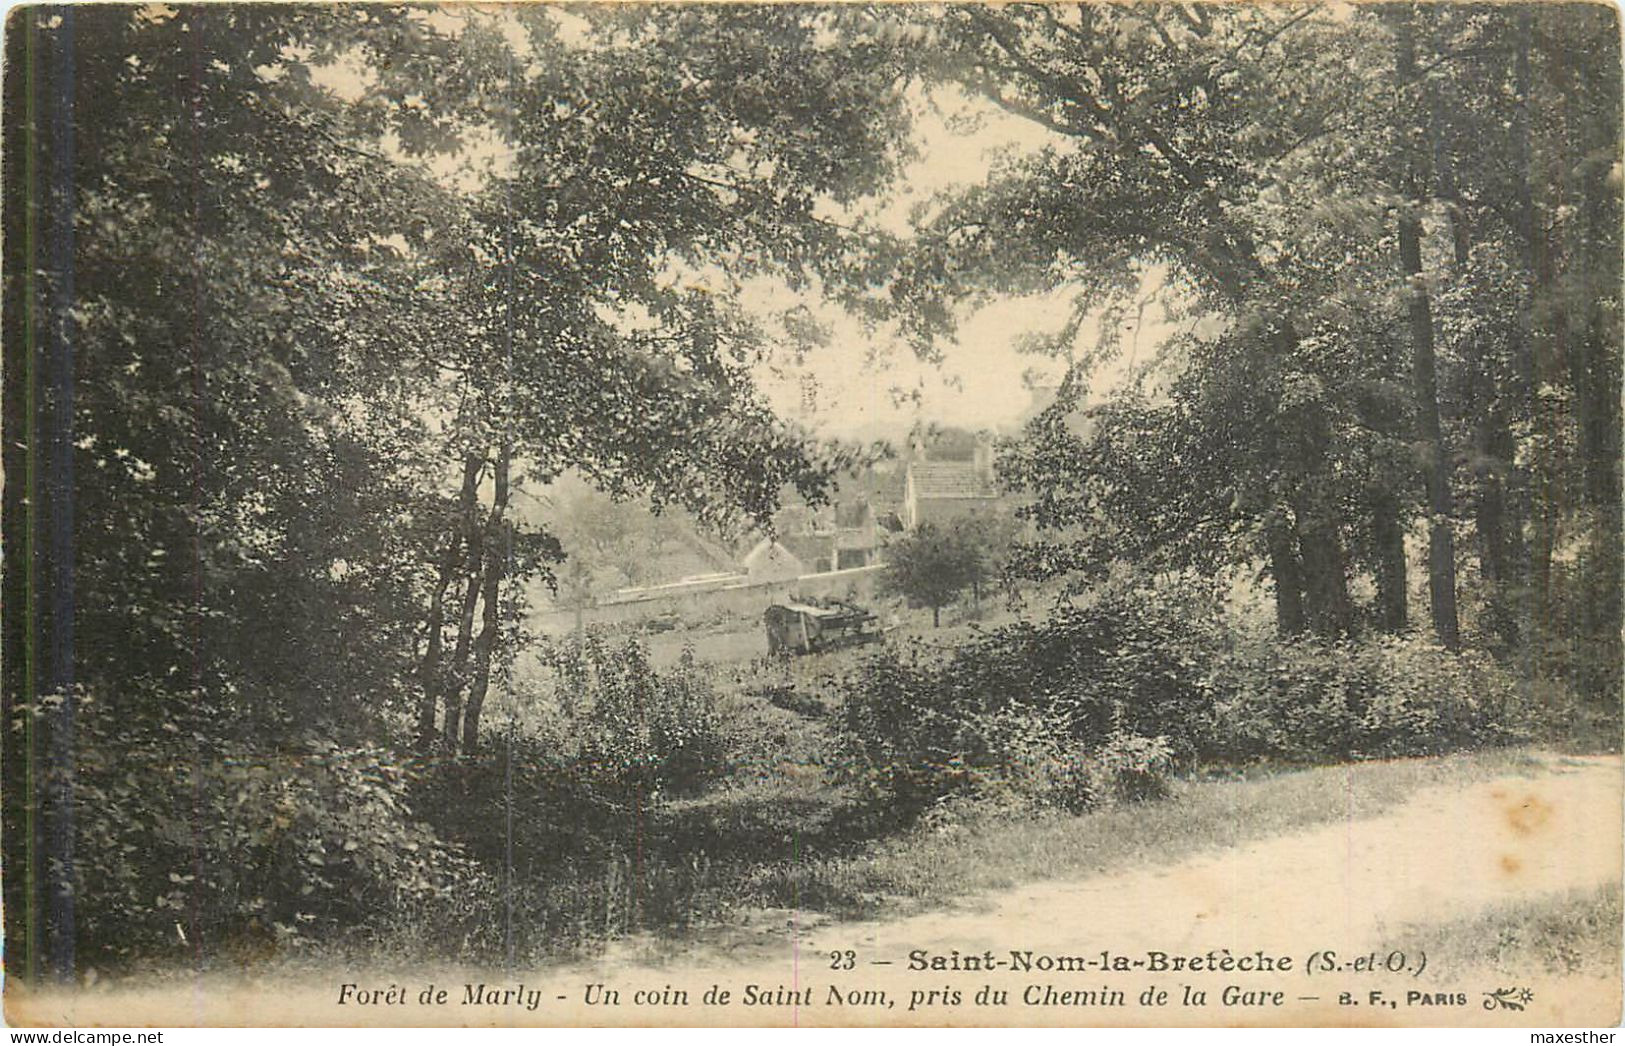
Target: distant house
[(939, 491), (815, 551), (857, 541), (818, 541), (771, 561)]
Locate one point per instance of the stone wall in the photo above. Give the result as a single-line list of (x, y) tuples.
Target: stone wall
[(745, 599)]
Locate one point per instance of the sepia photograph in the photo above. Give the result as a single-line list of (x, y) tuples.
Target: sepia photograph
[(808, 514)]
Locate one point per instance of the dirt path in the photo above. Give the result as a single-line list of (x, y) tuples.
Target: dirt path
[(1352, 888), (1443, 855)]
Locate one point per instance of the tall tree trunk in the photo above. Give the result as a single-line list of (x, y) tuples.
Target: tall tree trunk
[(1600, 439), (1596, 369), (1424, 376), (1493, 444), (497, 553), (1539, 349), (1441, 540), (457, 675), (1496, 551), (1325, 568), (429, 700), (1597, 392), (1284, 568), (432, 672), (1393, 582), (1303, 585), (1318, 527), (1495, 449), (1594, 366)]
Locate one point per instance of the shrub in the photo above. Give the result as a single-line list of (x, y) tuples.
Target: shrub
[(1031, 706), (188, 841), (1130, 659), (1103, 701), (626, 729), (916, 735), (595, 747), (1130, 768), (1030, 761), (606, 741), (570, 866), (902, 745), (1305, 700)]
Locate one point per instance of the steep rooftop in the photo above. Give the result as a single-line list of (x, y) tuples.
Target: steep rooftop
[(951, 479)]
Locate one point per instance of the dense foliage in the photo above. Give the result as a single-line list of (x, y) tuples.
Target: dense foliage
[(305, 298), (629, 730), (1144, 677), (192, 845), (1389, 239), (932, 565), (558, 815)]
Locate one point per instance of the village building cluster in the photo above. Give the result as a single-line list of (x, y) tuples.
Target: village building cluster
[(853, 534), (837, 549)]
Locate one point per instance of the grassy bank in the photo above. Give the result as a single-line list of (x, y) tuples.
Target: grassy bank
[(1569, 934), (954, 852)]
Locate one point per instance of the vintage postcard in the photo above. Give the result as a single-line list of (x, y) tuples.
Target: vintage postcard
[(812, 514)]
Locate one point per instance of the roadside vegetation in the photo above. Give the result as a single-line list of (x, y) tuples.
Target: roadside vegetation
[(619, 799), (1567, 935)]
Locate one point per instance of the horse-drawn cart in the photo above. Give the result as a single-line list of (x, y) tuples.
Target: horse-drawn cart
[(807, 627)]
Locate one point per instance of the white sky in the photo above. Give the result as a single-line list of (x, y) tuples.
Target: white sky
[(859, 379)]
